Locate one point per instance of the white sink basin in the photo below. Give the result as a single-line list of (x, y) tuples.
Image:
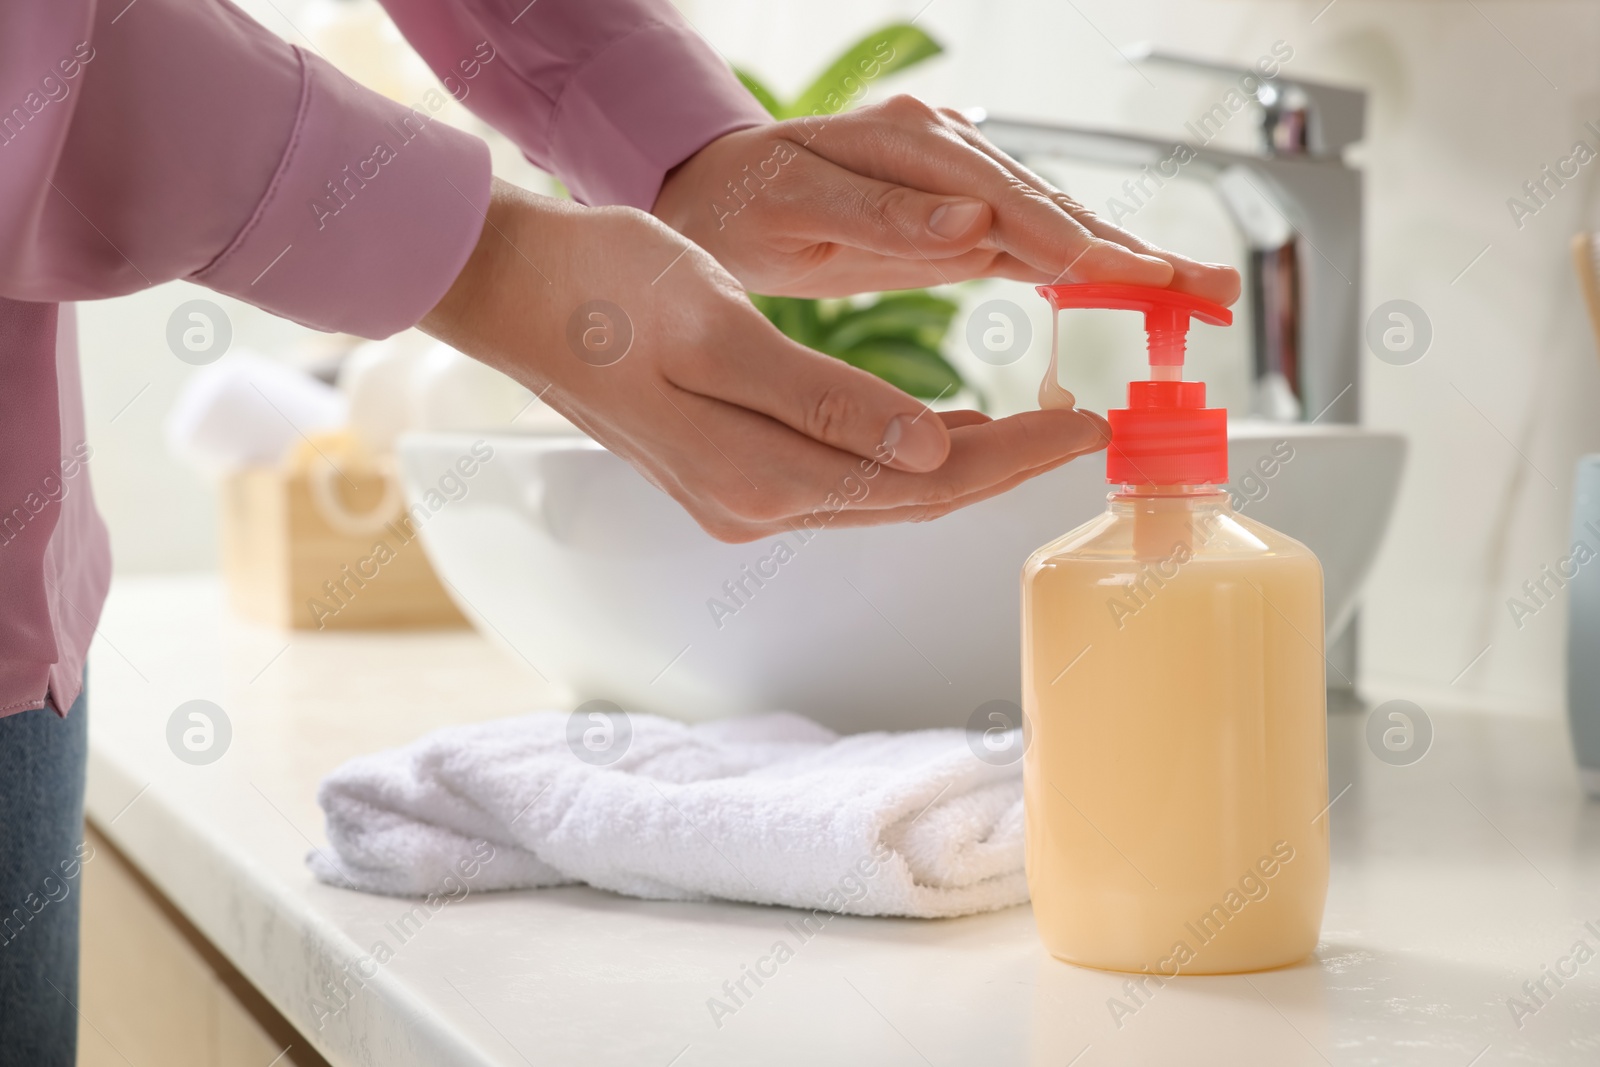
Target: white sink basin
[(562, 551)]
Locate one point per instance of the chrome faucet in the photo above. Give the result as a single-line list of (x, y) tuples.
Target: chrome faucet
[(1296, 203)]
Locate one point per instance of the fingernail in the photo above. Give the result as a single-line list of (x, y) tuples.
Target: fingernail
[(952, 219), (914, 444), (1101, 426)]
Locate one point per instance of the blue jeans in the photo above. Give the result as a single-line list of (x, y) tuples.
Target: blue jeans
[(42, 759)]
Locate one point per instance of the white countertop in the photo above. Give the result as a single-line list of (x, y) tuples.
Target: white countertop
[(1455, 880)]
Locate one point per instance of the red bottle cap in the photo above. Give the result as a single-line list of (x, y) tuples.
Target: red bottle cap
[(1166, 435)]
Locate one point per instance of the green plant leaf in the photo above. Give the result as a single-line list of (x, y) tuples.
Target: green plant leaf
[(758, 89), (884, 51), (913, 316), (915, 368)]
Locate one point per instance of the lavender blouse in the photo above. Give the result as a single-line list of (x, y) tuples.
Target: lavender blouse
[(160, 139)]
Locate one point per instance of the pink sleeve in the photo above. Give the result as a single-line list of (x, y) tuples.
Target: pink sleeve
[(608, 95), (178, 139)]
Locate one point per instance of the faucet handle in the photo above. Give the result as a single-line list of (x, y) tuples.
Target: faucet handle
[(1298, 116)]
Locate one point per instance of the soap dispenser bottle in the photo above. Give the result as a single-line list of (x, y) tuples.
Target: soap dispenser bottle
[(1175, 773)]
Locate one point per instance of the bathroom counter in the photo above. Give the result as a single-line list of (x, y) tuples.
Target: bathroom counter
[(1455, 880)]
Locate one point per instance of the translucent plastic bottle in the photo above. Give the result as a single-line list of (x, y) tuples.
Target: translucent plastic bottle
[(1173, 688)]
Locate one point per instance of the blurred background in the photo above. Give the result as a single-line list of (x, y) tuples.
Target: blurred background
[(1467, 102)]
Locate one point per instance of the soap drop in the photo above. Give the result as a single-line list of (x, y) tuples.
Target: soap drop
[(1051, 396)]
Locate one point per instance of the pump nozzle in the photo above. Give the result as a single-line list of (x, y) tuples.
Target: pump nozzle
[(1166, 313), (1166, 435)]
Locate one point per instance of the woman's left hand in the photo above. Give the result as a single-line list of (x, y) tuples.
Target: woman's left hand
[(900, 195)]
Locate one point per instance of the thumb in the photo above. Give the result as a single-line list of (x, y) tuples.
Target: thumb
[(880, 217), (823, 398)]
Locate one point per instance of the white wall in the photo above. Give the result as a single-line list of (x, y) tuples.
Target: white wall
[(1465, 107)]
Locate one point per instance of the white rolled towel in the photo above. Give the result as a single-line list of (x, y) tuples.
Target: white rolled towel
[(772, 809), (247, 410)]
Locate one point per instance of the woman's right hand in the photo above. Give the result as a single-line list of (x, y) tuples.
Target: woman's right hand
[(640, 338)]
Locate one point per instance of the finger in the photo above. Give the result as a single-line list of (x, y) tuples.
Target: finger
[(924, 512), (904, 141), (821, 202), (1100, 421), (1216, 282), (781, 479), (987, 454), (820, 397), (1208, 280), (929, 512), (848, 271), (861, 515), (954, 420)]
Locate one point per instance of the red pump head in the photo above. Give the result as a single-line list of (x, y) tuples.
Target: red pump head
[(1166, 435)]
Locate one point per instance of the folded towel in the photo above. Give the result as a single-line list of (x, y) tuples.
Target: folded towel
[(772, 809)]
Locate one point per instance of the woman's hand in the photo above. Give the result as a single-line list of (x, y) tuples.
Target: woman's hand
[(895, 196), (639, 337)]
